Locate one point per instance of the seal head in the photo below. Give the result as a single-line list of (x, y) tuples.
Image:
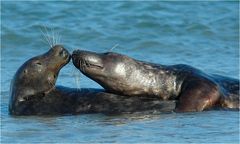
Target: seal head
[(36, 77), (115, 72)]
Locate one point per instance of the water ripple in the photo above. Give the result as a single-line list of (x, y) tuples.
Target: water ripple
[(201, 34)]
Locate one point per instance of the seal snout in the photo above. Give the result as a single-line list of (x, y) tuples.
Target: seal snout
[(86, 59), (76, 58), (60, 51), (64, 53)]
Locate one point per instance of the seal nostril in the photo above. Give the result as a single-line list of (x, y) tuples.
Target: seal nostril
[(62, 53)]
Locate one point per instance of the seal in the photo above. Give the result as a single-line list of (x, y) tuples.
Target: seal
[(33, 92), (193, 89)]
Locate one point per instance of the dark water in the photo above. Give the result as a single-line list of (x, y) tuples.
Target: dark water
[(202, 34)]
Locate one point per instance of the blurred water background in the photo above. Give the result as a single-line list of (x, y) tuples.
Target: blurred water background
[(202, 34)]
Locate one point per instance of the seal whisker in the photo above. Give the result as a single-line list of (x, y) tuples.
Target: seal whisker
[(77, 77), (45, 40), (57, 38), (85, 63), (79, 63), (77, 80), (48, 36), (82, 65), (116, 45), (53, 37), (51, 84)]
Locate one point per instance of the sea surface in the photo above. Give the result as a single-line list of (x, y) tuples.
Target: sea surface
[(201, 34)]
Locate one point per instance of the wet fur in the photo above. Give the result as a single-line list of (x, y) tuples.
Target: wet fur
[(194, 89), (65, 101), (33, 92)]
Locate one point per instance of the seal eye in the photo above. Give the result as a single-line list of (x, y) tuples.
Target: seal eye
[(38, 63)]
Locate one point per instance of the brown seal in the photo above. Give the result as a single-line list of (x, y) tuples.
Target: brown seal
[(194, 89)]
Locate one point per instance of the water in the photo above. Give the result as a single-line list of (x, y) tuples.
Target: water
[(202, 34)]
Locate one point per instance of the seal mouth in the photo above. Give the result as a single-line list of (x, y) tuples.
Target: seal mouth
[(84, 60), (83, 64)]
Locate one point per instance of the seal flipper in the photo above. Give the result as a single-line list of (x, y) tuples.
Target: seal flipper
[(231, 85), (197, 95), (231, 92)]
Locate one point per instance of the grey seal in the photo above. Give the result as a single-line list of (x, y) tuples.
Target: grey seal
[(33, 92), (193, 89)]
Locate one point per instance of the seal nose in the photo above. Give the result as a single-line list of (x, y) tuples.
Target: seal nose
[(61, 51), (74, 54), (75, 57)]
